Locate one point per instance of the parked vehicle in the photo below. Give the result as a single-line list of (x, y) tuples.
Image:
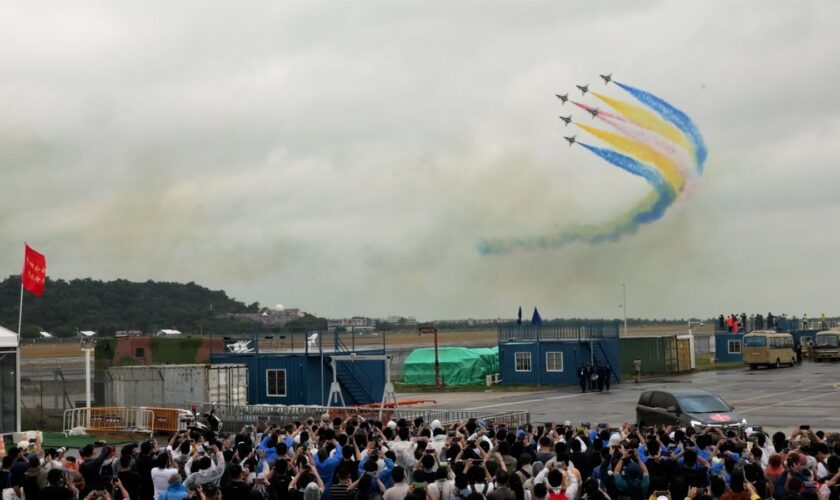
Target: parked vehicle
[(767, 348), (694, 408), (827, 345)]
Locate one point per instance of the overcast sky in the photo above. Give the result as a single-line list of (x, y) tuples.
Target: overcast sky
[(345, 157)]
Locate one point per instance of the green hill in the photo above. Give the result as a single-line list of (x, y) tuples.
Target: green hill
[(110, 306)]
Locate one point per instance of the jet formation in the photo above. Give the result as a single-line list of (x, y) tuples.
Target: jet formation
[(591, 110)]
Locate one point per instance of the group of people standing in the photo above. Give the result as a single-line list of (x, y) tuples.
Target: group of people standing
[(735, 323), (594, 378), (741, 323)]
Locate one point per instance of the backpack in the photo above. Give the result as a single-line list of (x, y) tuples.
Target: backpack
[(524, 479), (483, 493), (107, 471)]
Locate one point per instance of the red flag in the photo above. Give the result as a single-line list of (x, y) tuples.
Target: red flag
[(34, 271)]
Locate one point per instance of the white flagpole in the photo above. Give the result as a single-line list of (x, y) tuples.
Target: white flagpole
[(17, 356)]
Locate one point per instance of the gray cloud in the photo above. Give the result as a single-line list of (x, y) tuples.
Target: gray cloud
[(347, 157)]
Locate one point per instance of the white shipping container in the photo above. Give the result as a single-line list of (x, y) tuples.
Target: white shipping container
[(177, 385)]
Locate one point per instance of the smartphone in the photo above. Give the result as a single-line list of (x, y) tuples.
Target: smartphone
[(419, 486), (804, 427)]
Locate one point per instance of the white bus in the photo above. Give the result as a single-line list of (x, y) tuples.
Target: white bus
[(768, 348)]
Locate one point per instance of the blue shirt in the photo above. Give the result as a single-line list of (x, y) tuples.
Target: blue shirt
[(326, 469)]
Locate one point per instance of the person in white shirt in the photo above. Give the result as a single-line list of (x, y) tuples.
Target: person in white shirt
[(164, 468), (400, 488), (404, 448), (443, 487)]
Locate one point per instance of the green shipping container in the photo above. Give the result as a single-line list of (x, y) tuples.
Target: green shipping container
[(658, 354)]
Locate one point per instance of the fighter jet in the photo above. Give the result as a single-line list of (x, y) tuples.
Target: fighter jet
[(567, 119), (563, 97), (607, 78), (583, 88), (570, 139), (593, 111)]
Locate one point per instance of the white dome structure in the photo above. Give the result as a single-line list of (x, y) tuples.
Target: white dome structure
[(280, 308)]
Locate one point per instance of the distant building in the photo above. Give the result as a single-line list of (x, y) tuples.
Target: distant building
[(356, 324), (407, 322), (269, 317), (167, 333), (128, 333)]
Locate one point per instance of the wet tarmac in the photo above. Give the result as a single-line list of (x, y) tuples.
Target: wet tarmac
[(776, 399)]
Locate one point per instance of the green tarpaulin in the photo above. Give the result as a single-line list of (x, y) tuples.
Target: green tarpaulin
[(458, 365)]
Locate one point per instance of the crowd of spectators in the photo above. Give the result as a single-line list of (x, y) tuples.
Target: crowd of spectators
[(358, 459)]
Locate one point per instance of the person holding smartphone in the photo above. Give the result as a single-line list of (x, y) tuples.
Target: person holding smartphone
[(58, 487)]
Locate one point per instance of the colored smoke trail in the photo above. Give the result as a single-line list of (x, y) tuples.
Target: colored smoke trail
[(669, 169), (640, 134), (656, 142), (675, 116), (648, 120), (600, 112)]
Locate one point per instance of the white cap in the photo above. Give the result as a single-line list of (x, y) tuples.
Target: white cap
[(567, 422), (435, 424), (391, 424), (615, 439)]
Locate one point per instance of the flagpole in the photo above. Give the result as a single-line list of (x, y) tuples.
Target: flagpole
[(17, 356)]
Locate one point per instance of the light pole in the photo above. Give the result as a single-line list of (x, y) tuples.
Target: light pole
[(88, 345)]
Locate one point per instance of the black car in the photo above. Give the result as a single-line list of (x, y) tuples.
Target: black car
[(687, 408)]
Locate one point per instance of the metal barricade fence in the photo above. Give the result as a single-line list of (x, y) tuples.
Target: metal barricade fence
[(109, 419), (235, 416)]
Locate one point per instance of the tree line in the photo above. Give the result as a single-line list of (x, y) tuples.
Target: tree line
[(107, 307)]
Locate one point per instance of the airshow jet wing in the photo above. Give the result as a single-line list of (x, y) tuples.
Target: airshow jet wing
[(607, 78), (563, 97), (592, 111), (583, 88), (567, 119), (570, 139)]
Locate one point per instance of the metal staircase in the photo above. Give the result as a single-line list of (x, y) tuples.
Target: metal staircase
[(600, 355)]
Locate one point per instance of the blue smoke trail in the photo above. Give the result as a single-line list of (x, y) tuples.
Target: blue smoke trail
[(675, 116), (650, 174), (648, 210), (628, 164)]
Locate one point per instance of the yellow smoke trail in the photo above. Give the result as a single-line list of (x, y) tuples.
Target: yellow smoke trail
[(646, 119), (643, 153)]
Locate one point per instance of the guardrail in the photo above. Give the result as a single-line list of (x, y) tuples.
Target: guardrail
[(122, 419)]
